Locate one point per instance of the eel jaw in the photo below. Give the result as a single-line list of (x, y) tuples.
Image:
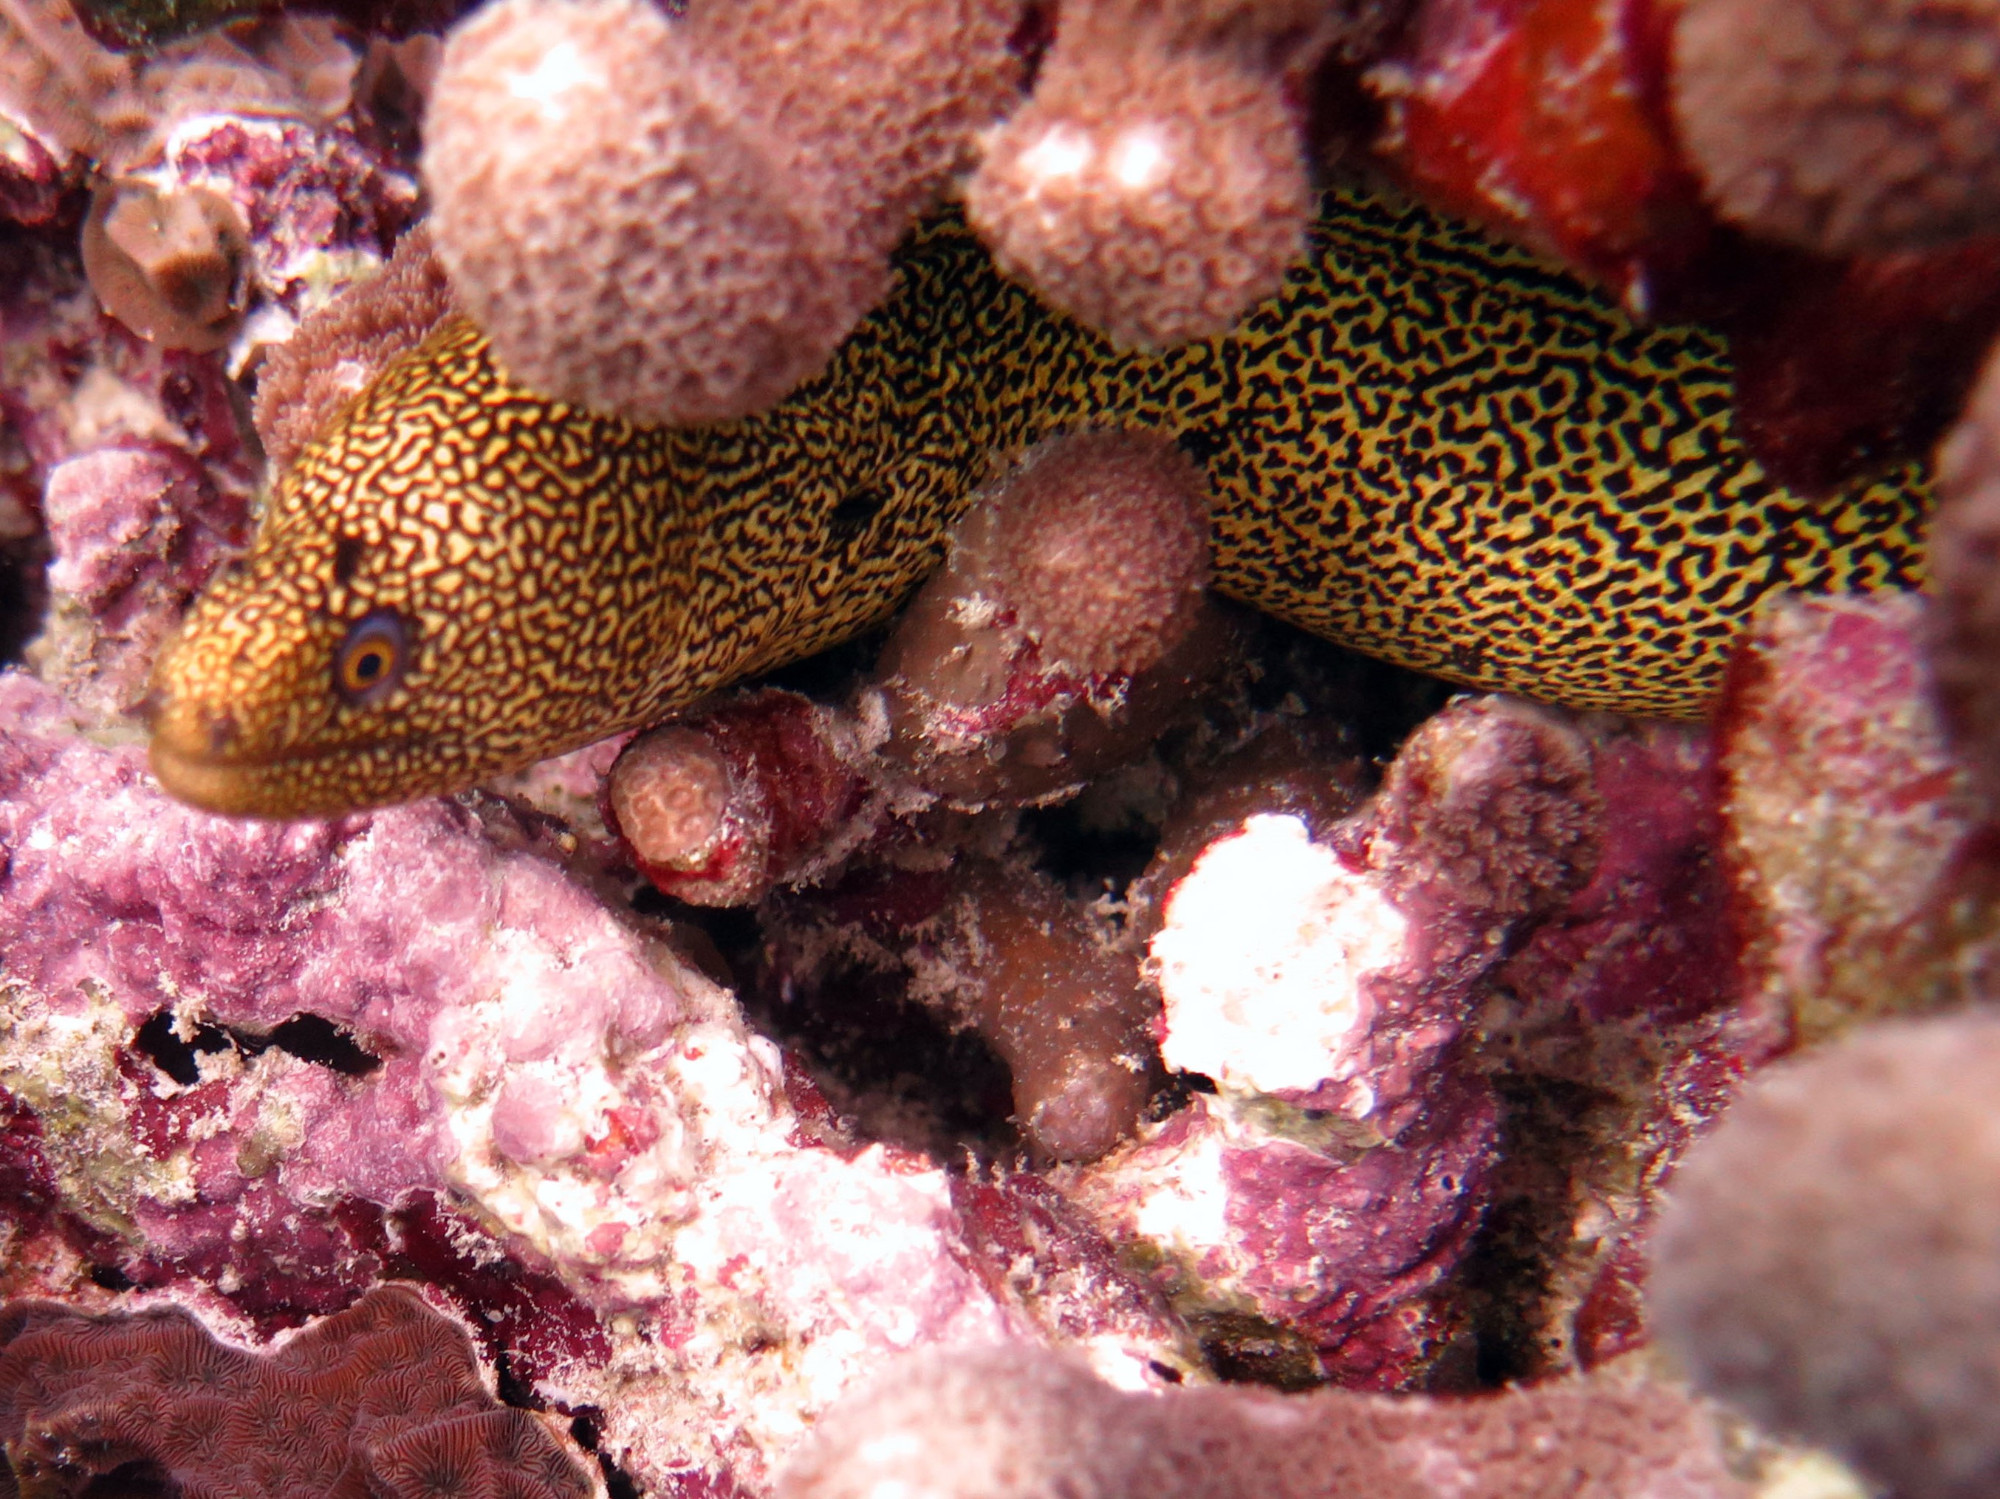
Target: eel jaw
[(196, 759)]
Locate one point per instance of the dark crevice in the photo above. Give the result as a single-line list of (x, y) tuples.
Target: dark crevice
[(315, 1039), (160, 1042), (310, 1038), (588, 1432)]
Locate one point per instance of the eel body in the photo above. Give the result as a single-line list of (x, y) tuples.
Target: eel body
[(1428, 446)]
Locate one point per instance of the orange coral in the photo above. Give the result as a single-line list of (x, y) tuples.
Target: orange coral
[(694, 250)]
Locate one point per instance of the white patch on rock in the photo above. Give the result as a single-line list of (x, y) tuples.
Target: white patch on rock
[(1262, 957)]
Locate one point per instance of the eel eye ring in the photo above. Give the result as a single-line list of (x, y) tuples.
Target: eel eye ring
[(372, 656)]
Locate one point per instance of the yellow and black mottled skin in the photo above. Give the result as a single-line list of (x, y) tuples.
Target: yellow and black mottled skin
[(1427, 446)]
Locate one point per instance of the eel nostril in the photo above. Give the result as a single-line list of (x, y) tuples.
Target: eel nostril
[(221, 729)]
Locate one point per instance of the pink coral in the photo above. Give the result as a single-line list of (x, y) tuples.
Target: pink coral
[(306, 381), (1006, 1425), (1068, 630), (1155, 185), (383, 1398), (694, 252), (135, 531), (1843, 126), (1829, 1258), (1855, 836)]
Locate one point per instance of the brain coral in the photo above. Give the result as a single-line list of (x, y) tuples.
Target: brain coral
[(383, 1399), (1830, 1256)]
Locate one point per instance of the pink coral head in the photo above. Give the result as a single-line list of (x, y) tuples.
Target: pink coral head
[(613, 220), (1153, 197)]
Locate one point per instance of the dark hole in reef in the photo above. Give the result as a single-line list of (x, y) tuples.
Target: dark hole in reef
[(587, 1430), (24, 595), (830, 675), (158, 1040), (310, 1038), (1248, 1350), (315, 1039), (894, 1068), (111, 1278), (1549, 1128), (134, 1480), (1084, 854), (511, 1387), (1378, 704)]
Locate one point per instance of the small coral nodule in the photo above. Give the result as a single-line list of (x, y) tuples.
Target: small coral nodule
[(171, 266)]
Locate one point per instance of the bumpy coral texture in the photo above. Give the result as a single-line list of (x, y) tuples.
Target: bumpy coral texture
[(647, 222), (1014, 1425), (1829, 1258), (1864, 881), (307, 380), (1067, 631), (1155, 186), (383, 1400), (1965, 565), (1844, 125), (722, 805)]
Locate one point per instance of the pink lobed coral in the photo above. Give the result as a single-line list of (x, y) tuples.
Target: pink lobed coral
[(694, 253), (1827, 1256), (1154, 186)]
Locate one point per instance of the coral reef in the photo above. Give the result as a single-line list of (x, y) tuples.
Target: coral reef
[(695, 253), (307, 380), (1843, 126), (1864, 880), (1154, 187), (383, 1398), (1964, 633), (1067, 631), (728, 802), (965, 1058), (1826, 1259), (1007, 1425), (134, 530), (1007, 955), (168, 266)]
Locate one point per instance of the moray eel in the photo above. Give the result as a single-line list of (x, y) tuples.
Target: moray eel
[(1428, 446)]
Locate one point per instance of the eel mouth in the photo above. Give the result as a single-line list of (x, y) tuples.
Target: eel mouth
[(310, 783)]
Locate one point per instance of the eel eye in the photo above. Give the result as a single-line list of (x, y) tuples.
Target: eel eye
[(371, 657)]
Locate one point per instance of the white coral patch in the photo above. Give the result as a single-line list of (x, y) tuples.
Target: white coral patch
[(1262, 959)]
